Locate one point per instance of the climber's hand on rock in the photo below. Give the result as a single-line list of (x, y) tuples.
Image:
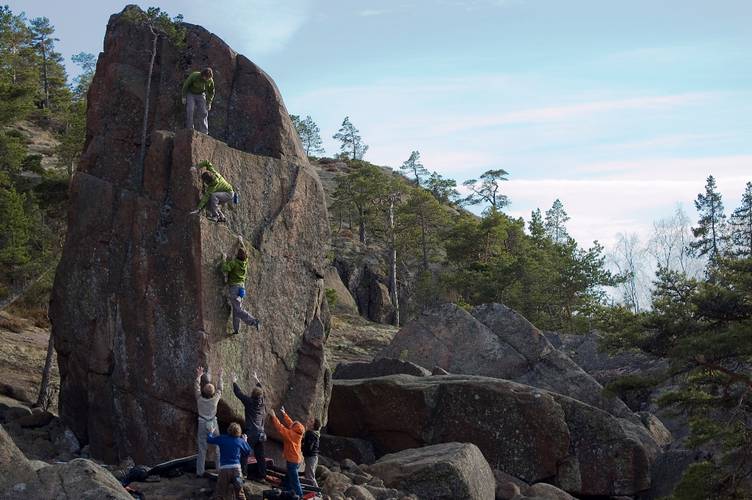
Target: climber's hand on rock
[(282, 409), (199, 372), (208, 107), (234, 378), (255, 377), (194, 212), (183, 100), (224, 256), (220, 371)]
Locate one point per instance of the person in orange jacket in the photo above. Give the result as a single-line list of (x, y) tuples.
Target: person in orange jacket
[(292, 439)]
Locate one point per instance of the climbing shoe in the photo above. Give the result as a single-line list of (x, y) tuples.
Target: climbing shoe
[(257, 325)]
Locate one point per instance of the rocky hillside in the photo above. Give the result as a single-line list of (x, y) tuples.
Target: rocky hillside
[(138, 300)]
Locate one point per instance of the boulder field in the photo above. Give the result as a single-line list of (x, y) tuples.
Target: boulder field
[(530, 433), (138, 300)]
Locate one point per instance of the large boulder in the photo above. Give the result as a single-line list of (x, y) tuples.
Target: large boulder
[(378, 368), (495, 341), (529, 433), (362, 270), (345, 304), (443, 471), (79, 479), (340, 448), (138, 300)]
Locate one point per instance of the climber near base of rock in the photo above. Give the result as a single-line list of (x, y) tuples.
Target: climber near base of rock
[(292, 438), (311, 451), (207, 398), (217, 192), (198, 94), (236, 270), (255, 413), (233, 451)]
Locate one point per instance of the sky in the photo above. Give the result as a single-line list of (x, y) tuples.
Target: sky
[(619, 109)]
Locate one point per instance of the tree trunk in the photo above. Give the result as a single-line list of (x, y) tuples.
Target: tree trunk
[(424, 243), (44, 386), (46, 103), (362, 226), (393, 264), (145, 127)]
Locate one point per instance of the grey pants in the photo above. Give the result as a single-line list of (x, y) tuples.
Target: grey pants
[(217, 199), (197, 103), (310, 469), (238, 313), (203, 432)]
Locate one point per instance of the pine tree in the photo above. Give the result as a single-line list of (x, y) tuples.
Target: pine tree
[(42, 32), (710, 232), (741, 225), (536, 226), (486, 190), (309, 134), (414, 166), (360, 190), (555, 223), (352, 144), (443, 189)]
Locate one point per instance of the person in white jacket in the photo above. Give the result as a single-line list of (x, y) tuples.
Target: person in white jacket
[(207, 398)]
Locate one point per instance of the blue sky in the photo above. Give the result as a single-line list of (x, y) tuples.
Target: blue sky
[(620, 109)]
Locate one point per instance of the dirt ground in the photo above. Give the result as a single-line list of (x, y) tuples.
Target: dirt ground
[(23, 348)]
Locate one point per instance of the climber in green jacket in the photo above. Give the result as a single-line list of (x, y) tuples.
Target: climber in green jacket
[(198, 92), (236, 270), (217, 191)]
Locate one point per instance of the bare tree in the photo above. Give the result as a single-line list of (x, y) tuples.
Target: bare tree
[(628, 258), (669, 244)]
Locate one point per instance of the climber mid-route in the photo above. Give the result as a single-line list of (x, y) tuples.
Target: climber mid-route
[(236, 270), (217, 191)]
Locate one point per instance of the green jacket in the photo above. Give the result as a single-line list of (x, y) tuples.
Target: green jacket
[(219, 185), (195, 84), (236, 271)]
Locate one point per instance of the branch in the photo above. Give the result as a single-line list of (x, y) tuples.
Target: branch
[(735, 377)]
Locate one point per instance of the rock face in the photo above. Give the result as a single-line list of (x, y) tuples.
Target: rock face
[(378, 368), (340, 448), (361, 271), (138, 300), (76, 480), (494, 341), (345, 303), (604, 367), (443, 471), (529, 433)]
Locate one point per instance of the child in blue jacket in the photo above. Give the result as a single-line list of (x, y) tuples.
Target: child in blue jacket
[(233, 451)]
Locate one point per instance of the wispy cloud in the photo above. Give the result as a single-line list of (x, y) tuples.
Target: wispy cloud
[(373, 12), (255, 26)]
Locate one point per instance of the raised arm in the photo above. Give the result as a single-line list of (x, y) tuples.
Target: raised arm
[(197, 384)]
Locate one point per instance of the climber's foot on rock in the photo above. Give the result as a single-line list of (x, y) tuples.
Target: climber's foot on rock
[(257, 325)]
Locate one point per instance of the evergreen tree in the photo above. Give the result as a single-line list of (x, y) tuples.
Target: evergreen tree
[(536, 226), (18, 75), (443, 189), (358, 192), (309, 134), (422, 218), (710, 232), (88, 63), (42, 32), (555, 223), (486, 190), (352, 144), (741, 225), (413, 166)]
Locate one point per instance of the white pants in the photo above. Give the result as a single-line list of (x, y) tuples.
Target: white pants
[(310, 469), (203, 432), (197, 103)]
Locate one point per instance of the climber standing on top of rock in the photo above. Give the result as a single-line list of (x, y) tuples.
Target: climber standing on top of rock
[(292, 437), (254, 424), (198, 92), (217, 191), (207, 398), (236, 270)]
